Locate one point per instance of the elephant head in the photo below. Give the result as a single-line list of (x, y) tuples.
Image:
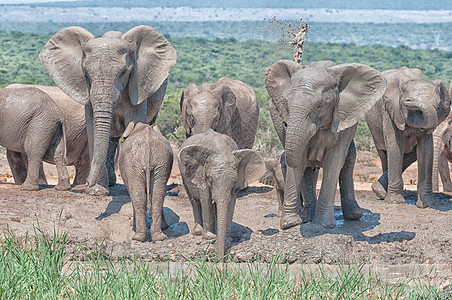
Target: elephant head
[(223, 174), (319, 97), (209, 106), (99, 72), (412, 101)]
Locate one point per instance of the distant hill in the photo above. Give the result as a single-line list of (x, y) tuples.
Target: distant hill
[(333, 4)]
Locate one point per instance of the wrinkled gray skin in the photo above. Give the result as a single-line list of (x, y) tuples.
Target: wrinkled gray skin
[(227, 106), (76, 139), (213, 171), (401, 124), (315, 111), (145, 162), (442, 155), (275, 173), (31, 123), (115, 77)]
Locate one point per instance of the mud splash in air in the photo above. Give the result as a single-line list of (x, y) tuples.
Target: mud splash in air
[(292, 33)]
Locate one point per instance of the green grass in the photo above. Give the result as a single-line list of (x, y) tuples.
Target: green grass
[(39, 267)]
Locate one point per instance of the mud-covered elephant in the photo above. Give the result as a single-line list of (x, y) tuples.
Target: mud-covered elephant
[(213, 170), (442, 154), (145, 162), (115, 77), (401, 124), (31, 123), (76, 138), (315, 110), (228, 106)]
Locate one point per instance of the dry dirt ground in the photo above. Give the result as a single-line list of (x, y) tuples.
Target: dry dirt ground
[(387, 234)]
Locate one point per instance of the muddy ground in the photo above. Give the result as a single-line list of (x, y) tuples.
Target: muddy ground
[(387, 234)]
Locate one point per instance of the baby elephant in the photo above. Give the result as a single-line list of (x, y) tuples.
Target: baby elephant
[(213, 171), (31, 123), (145, 162)]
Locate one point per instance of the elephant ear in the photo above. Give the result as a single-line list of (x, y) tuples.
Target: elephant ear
[(191, 90), (228, 106), (360, 86), (251, 166), (278, 81), (192, 160), (62, 58), (128, 130), (444, 104), (154, 58)]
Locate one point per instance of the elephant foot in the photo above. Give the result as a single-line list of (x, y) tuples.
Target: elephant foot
[(197, 229), (290, 220), (43, 181), (352, 211), (395, 198), (379, 190), (325, 220), (97, 190), (207, 235), (139, 236), (447, 188), (426, 201), (27, 186), (158, 236), (66, 186)]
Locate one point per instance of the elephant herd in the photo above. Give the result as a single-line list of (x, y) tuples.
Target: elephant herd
[(114, 85)]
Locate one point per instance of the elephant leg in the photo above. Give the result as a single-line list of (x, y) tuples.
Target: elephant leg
[(332, 165), (58, 153), (280, 197), (18, 164), (380, 187), (34, 163), (444, 172), (137, 191), (425, 166), (309, 191), (208, 216), (158, 196), (112, 147), (383, 158), (350, 207), (82, 168), (394, 145), (292, 201), (197, 211)]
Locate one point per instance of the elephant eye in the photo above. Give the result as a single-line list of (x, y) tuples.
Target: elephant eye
[(284, 123)]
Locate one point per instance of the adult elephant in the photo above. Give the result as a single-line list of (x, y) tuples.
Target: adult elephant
[(401, 123), (442, 154), (315, 110), (76, 139), (115, 77), (227, 106)]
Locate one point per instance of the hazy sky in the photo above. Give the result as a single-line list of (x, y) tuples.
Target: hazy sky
[(29, 1)]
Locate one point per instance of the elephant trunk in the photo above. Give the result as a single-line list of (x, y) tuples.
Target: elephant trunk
[(299, 131), (420, 114), (222, 217), (103, 109)]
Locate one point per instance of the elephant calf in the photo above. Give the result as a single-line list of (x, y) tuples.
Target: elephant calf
[(31, 123), (274, 176), (227, 106), (213, 171), (145, 162), (401, 123)]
